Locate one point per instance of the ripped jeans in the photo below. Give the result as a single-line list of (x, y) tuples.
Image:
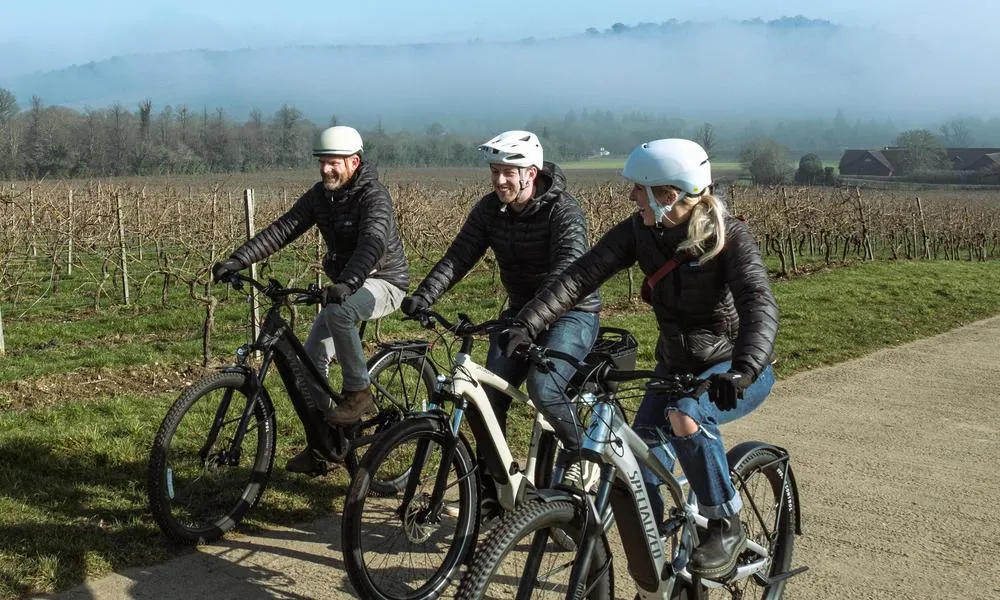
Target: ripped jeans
[(702, 455)]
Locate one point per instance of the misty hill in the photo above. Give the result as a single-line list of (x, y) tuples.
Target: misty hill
[(788, 68)]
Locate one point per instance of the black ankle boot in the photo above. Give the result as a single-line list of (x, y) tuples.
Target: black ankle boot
[(719, 547)]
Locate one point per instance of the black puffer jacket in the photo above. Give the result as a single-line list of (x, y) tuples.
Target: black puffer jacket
[(357, 223), (531, 246), (706, 313)]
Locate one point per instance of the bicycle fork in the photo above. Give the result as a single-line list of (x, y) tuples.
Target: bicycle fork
[(433, 510), (593, 531)]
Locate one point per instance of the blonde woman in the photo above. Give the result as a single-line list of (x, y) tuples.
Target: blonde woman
[(715, 313)]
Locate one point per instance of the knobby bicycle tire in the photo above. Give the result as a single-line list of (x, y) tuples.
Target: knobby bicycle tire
[(396, 529), (196, 500), (762, 475), (511, 539)]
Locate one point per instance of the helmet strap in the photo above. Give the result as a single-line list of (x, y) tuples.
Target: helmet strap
[(659, 211)]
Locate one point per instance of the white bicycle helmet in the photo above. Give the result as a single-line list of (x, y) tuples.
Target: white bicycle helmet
[(515, 148), (338, 141), (680, 163), (676, 162)]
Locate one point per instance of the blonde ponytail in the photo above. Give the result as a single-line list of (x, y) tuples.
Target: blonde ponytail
[(707, 221)]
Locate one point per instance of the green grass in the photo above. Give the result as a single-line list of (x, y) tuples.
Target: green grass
[(72, 472)]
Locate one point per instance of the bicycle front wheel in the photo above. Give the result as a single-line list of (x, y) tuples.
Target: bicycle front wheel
[(402, 547), (204, 475), (520, 559)]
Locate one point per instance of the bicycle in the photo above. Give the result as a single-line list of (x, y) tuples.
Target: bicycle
[(435, 520), (657, 558), (212, 456)]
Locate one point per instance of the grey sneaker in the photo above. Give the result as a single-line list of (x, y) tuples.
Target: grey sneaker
[(574, 476)]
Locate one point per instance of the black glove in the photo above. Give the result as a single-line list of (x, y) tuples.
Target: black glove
[(335, 294), (222, 271), (725, 388), (514, 339), (413, 305)]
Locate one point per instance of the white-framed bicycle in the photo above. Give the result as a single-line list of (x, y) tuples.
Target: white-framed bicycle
[(410, 545)]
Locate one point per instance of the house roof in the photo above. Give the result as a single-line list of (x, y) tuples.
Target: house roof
[(852, 156), (964, 158), (986, 161), (960, 158)]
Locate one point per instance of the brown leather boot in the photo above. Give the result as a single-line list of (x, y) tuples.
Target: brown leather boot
[(349, 410), (307, 462)]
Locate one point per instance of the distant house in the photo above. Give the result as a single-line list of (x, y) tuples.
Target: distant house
[(866, 162), (986, 162), (887, 161)]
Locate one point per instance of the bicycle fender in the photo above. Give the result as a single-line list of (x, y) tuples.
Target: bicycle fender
[(737, 452)]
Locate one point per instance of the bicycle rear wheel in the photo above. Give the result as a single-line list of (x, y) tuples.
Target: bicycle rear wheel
[(200, 482), (768, 515), (402, 550), (510, 564), (403, 380)]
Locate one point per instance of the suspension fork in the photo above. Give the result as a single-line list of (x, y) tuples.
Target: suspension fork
[(593, 531), (441, 477), (235, 450)]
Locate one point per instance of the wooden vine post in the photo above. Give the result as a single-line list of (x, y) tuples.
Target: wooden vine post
[(122, 248), (254, 308)]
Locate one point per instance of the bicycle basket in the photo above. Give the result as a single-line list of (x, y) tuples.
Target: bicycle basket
[(619, 344), (612, 342)]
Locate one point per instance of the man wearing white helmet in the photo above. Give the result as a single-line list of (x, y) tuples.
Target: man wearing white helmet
[(715, 313), (535, 229), (368, 270)]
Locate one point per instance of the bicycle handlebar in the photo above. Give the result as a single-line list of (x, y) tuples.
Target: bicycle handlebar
[(606, 372), (273, 289), (429, 318)]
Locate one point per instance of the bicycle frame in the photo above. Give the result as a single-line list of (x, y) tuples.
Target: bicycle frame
[(611, 441), (467, 381), (278, 345), (465, 387)]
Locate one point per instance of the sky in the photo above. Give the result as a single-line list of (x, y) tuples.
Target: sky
[(58, 33), (915, 60)]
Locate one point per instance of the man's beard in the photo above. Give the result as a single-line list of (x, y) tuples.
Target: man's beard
[(332, 184)]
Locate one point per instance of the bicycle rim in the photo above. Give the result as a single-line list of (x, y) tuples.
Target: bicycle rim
[(201, 488), (394, 549)]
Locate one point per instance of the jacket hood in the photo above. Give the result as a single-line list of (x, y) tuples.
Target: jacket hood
[(549, 185)]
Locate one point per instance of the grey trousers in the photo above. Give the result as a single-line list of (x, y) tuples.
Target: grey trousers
[(335, 331)]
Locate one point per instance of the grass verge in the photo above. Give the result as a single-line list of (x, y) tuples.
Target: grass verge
[(72, 471)]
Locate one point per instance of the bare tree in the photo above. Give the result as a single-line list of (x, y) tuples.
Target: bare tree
[(8, 133), (707, 138), (957, 134)]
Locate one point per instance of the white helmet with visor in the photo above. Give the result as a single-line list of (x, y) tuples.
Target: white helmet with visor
[(515, 148)]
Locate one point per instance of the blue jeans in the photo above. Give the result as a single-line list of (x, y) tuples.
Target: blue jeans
[(574, 333), (702, 455)]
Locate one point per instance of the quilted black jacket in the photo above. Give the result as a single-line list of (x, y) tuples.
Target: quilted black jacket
[(357, 223), (531, 246), (723, 309)]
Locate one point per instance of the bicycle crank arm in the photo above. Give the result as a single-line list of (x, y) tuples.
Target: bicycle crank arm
[(786, 575)]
